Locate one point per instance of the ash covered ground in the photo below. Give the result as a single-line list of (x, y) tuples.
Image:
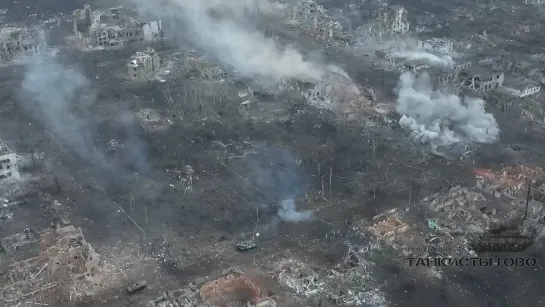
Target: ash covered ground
[(170, 176)]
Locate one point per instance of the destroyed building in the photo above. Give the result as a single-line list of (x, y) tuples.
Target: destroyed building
[(441, 45), (204, 67), (480, 78), (511, 182), (520, 87), (18, 42), (143, 64), (393, 20), (113, 28), (63, 266), (337, 92), (8, 163), (416, 67)]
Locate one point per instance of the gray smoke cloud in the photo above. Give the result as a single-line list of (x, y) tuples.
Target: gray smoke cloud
[(435, 118), (277, 173), (52, 93), (221, 28), (61, 96)]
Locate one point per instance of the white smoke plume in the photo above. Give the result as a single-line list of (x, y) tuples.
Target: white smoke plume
[(219, 28), (442, 119), (288, 212), (431, 58)]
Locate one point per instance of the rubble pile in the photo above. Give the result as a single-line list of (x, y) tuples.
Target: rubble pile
[(65, 265), (511, 182), (187, 297), (348, 284), (338, 93)]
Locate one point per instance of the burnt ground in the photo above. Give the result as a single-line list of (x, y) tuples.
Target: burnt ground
[(229, 199)]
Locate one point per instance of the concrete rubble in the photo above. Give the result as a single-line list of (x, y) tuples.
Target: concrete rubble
[(348, 284), (340, 94), (65, 264)]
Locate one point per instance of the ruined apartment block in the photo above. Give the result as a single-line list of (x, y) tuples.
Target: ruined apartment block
[(18, 42), (113, 28), (393, 20), (8, 164), (143, 64)]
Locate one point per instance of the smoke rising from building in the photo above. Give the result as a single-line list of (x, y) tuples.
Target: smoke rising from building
[(435, 118), (219, 28)]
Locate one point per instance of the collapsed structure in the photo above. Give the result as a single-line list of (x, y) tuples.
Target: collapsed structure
[(204, 67), (512, 182), (113, 28), (19, 42), (66, 263), (143, 64), (337, 92)]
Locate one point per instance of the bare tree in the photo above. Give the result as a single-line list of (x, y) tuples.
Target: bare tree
[(174, 106)]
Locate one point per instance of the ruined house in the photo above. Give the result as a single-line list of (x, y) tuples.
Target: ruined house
[(8, 163), (113, 28), (17, 42), (510, 182), (393, 20), (416, 67), (480, 78), (143, 64), (441, 45), (206, 68)]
